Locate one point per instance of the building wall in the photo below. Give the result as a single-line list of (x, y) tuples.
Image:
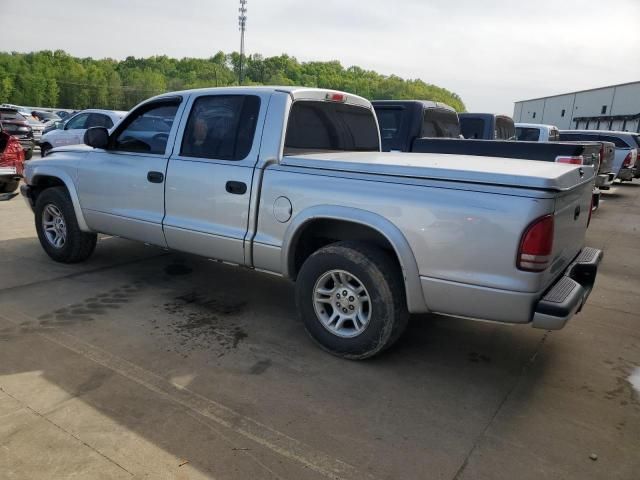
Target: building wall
[(558, 111), (618, 100)]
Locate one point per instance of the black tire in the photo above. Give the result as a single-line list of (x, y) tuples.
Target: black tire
[(44, 149), (78, 245), (382, 278), (28, 154), (9, 187)]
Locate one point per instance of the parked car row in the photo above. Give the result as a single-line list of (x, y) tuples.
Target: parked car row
[(293, 181)]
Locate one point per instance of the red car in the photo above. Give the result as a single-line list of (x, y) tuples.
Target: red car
[(11, 162)]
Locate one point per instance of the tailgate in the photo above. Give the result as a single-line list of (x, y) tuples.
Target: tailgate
[(571, 217)]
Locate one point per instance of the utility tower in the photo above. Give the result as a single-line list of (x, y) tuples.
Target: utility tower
[(242, 22)]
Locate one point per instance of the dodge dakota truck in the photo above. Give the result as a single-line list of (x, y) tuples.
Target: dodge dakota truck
[(291, 181)]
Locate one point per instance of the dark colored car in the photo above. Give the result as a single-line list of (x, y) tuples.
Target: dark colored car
[(11, 162), (15, 124), (403, 121), (487, 126)]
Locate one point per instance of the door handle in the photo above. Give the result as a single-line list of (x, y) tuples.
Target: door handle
[(155, 177), (237, 188)]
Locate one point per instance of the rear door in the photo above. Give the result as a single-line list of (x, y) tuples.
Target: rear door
[(209, 176)]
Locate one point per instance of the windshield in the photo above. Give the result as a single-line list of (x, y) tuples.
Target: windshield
[(316, 126)]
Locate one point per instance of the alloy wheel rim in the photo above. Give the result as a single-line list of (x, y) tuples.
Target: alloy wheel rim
[(342, 303), (54, 226)]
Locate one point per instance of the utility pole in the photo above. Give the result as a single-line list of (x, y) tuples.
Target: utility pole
[(242, 22)]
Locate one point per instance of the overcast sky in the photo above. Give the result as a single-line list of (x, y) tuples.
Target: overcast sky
[(489, 52)]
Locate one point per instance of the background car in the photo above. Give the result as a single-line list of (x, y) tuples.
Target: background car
[(45, 116), (627, 147), (17, 125), (37, 126), (71, 131), (11, 162)]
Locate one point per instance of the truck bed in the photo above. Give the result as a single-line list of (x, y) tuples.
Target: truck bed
[(457, 168)]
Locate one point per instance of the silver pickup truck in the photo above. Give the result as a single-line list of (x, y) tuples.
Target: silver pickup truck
[(292, 181)]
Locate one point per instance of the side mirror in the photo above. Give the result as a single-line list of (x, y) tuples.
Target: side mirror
[(59, 125), (97, 137)]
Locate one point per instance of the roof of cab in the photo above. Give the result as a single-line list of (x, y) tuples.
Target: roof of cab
[(536, 125), (297, 93), (424, 103)]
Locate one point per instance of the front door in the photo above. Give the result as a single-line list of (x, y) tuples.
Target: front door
[(209, 176), (121, 188)]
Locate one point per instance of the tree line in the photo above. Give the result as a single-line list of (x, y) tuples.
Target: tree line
[(57, 79)]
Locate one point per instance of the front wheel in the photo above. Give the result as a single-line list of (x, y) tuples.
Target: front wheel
[(351, 299), (58, 230)]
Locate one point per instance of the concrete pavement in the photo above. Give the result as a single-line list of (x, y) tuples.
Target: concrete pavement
[(147, 364)]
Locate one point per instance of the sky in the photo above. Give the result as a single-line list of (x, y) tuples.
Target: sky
[(490, 52)]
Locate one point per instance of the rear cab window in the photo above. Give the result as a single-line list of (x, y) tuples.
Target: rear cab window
[(440, 123), (527, 134), (472, 127), (320, 127)]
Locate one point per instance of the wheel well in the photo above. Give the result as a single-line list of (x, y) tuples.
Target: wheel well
[(42, 182), (319, 233)]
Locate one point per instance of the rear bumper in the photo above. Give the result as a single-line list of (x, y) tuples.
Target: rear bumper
[(569, 293), (626, 174), (604, 180)]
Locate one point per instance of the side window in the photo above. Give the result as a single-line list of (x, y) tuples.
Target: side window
[(78, 122), (147, 129), (221, 127)]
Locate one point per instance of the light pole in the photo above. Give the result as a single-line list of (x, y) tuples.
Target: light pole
[(242, 22)]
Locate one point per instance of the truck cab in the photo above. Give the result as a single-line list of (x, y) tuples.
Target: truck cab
[(487, 126), (403, 121)]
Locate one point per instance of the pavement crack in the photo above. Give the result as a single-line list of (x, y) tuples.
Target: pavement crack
[(498, 409), (67, 432)]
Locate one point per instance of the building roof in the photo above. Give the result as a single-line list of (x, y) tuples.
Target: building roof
[(579, 91)]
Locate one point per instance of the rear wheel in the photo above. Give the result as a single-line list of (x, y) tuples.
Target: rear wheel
[(28, 154), (58, 230), (351, 299)]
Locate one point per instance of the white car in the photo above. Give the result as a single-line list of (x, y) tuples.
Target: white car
[(71, 132), (532, 132)]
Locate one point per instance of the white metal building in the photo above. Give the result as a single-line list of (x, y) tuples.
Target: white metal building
[(608, 108)]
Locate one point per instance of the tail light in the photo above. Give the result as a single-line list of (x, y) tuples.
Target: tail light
[(577, 160), (628, 160), (536, 245)]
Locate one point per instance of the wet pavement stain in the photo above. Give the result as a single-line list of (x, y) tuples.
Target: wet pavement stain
[(203, 322)]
